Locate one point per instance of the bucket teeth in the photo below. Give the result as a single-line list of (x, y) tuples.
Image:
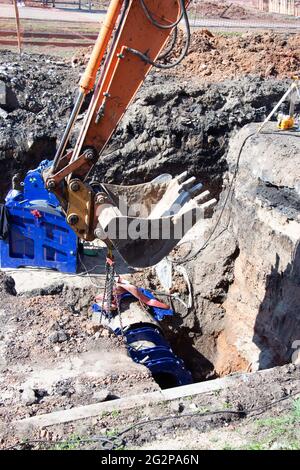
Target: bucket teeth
[(196, 189), (182, 177), (208, 204), (188, 184), (176, 206), (202, 197)]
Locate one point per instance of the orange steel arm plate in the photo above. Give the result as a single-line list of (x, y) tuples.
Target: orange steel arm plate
[(124, 76)]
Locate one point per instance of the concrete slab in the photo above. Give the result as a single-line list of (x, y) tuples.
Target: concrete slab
[(91, 272), (28, 280), (88, 411), (94, 364)]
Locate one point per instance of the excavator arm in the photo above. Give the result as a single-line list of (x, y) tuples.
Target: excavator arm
[(131, 40), (130, 27)]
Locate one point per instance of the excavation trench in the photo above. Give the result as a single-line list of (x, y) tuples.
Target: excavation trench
[(202, 336), (182, 336), (187, 126)]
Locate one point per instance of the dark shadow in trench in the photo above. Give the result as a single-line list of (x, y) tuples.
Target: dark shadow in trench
[(43, 148), (277, 325), (182, 341)]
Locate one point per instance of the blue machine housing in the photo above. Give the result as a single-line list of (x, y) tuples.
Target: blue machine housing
[(147, 345), (38, 233)]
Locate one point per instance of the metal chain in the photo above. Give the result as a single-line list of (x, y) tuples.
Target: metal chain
[(110, 288), (110, 292), (108, 285), (119, 310), (104, 291)]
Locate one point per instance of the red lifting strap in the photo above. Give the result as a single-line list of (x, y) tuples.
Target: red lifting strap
[(122, 286), (110, 261), (133, 290)]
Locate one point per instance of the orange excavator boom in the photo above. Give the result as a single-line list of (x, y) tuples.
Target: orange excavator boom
[(132, 38)]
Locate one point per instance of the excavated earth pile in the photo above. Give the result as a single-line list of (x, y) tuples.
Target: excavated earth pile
[(210, 9), (173, 127), (36, 97), (235, 10), (150, 138), (213, 57), (52, 356)]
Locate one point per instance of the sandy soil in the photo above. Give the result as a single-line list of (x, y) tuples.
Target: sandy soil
[(262, 412), (212, 57), (53, 357)]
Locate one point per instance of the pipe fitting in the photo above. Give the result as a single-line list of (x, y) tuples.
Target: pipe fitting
[(50, 184), (72, 219), (74, 186), (100, 198)]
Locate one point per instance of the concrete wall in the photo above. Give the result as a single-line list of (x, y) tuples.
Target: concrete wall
[(285, 7), (263, 5)]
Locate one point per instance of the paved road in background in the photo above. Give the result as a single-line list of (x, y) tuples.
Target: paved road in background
[(51, 14), (59, 14)]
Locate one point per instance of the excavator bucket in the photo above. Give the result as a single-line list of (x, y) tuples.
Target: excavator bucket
[(145, 222)]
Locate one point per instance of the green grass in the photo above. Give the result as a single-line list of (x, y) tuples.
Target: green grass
[(202, 410), (296, 409), (112, 414), (281, 429), (190, 397), (227, 447), (294, 445), (281, 425), (227, 406), (72, 443), (255, 446), (276, 427), (282, 432), (111, 433)]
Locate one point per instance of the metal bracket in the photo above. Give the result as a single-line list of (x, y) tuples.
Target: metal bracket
[(81, 166), (80, 211)]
